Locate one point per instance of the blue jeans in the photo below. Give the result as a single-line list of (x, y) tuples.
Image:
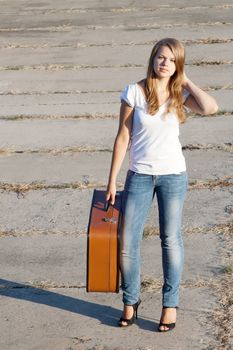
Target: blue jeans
[(138, 194)]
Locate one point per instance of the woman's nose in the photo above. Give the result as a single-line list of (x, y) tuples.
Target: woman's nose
[(165, 61)]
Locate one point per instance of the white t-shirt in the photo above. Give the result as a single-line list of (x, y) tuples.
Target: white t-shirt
[(155, 148)]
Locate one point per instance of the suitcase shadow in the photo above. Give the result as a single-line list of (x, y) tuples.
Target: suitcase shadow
[(105, 314)]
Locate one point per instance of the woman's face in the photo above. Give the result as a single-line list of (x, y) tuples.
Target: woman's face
[(164, 63)]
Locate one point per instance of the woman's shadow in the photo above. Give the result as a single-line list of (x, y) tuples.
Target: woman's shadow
[(105, 314)]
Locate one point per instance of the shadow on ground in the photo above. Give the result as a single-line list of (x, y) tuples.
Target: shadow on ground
[(105, 314)]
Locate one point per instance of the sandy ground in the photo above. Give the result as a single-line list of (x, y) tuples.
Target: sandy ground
[(62, 67)]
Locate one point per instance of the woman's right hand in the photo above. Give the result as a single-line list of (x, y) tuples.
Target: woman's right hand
[(111, 193)]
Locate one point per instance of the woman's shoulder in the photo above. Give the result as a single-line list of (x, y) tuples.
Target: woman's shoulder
[(142, 82), (134, 94), (128, 94), (142, 86)]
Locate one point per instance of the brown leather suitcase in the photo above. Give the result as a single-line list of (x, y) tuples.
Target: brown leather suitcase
[(103, 243)]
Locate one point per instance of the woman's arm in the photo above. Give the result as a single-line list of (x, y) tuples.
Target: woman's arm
[(119, 149), (199, 101)]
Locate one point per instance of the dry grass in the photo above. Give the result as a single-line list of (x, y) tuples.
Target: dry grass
[(212, 62), (211, 184), (227, 146), (143, 26), (56, 67), (229, 270), (150, 231), (223, 229), (222, 316), (207, 41), (75, 67), (120, 9), (31, 233), (54, 151), (46, 46), (222, 112), (55, 92), (228, 86), (87, 116), (150, 284), (198, 282), (42, 285), (35, 186), (22, 188), (51, 285)]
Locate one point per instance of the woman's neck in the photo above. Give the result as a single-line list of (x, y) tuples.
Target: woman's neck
[(162, 85)]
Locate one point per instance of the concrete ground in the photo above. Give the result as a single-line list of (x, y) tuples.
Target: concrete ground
[(63, 65)]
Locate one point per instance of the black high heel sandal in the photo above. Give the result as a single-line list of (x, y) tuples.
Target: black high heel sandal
[(170, 326), (130, 321)]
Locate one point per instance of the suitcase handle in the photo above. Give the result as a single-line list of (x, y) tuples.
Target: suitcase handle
[(106, 205)]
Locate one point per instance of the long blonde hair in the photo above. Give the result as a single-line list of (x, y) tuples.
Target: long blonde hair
[(175, 81)]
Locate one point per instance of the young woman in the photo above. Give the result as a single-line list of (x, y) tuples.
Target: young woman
[(150, 113)]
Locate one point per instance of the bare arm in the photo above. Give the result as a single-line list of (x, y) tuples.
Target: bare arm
[(199, 101), (119, 149)]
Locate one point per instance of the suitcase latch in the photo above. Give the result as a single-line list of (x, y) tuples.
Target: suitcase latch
[(111, 220)]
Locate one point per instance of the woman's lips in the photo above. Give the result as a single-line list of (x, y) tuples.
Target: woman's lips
[(163, 69)]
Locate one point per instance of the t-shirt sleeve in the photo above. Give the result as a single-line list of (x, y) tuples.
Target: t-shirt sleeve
[(128, 95), (185, 95)]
